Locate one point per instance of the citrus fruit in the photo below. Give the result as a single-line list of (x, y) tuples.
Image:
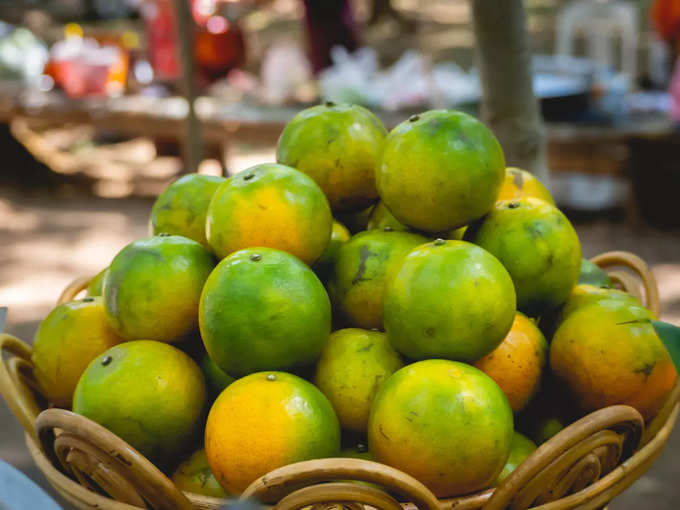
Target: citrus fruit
[(520, 448), (448, 299), (517, 364), (264, 421), (71, 336), (539, 248), (352, 367), (181, 209), (592, 274), (194, 475), (263, 309), (445, 423), (337, 145), (357, 451), (324, 266), (608, 353), (362, 268), (584, 294), (356, 222), (547, 428), (382, 219), (440, 170), (270, 205), (153, 286), (148, 393), (457, 234), (215, 378), (519, 183), (96, 285)]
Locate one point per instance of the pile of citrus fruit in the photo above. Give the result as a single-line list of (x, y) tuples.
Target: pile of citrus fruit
[(401, 297)]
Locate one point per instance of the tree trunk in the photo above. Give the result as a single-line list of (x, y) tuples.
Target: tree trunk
[(192, 146), (508, 104)]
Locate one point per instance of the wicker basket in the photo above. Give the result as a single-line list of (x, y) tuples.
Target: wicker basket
[(584, 466)]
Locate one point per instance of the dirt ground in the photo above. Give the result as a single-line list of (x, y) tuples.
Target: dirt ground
[(49, 237)]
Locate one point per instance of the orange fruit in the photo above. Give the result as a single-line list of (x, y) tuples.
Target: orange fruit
[(539, 248), (263, 309), (96, 285), (357, 451), (181, 208), (324, 266), (264, 421), (148, 393), (153, 286), (448, 299), (337, 145), (71, 336), (440, 170), (352, 367), (273, 206), (194, 475), (519, 183), (356, 222), (382, 219), (445, 423), (517, 364), (584, 294), (215, 378), (608, 353), (520, 448), (363, 266)]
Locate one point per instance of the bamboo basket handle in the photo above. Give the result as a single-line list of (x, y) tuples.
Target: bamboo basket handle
[(573, 459), (88, 451), (339, 493), (287, 480), (73, 289), (640, 267), (17, 383)]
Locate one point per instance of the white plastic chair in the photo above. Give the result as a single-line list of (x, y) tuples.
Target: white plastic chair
[(601, 23)]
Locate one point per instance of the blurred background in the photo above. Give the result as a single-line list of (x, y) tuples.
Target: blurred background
[(104, 102)]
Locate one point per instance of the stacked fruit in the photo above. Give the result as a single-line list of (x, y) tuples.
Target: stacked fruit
[(421, 338)]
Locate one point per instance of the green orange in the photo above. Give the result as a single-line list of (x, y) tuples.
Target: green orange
[(440, 170), (608, 353), (148, 393), (270, 205), (194, 475), (215, 378), (181, 208), (539, 248), (592, 274), (67, 340), (264, 421), (353, 366), (382, 219), (363, 267), (96, 285), (520, 449), (518, 363), (263, 309), (448, 299), (519, 183), (153, 286), (445, 423), (337, 145), (324, 266), (584, 294)]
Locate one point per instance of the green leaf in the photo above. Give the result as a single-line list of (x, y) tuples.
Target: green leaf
[(3, 317), (670, 336)]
